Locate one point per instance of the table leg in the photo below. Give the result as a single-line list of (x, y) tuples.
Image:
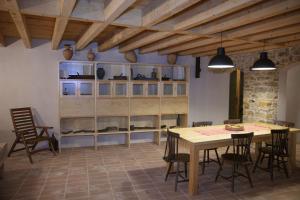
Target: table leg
[(194, 169), (292, 151)]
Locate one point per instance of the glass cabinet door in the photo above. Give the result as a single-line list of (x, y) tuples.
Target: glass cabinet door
[(104, 89), (181, 89), (152, 89), (137, 89), (86, 89), (120, 89), (168, 89), (68, 88)]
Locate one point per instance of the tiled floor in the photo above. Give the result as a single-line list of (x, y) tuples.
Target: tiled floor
[(118, 172)]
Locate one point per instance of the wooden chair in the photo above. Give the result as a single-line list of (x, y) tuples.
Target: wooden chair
[(172, 156), (206, 158), (26, 132), (278, 150), (280, 123), (284, 123), (231, 121), (240, 157)]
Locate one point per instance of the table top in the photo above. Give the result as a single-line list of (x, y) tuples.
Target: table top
[(207, 134)]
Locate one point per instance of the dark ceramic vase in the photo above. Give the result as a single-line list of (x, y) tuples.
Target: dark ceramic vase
[(100, 73)]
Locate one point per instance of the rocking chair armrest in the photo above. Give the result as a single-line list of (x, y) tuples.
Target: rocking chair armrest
[(44, 127)]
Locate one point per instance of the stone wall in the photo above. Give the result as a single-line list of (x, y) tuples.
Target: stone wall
[(261, 88)]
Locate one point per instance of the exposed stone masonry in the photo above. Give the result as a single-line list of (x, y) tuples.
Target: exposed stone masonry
[(261, 88)]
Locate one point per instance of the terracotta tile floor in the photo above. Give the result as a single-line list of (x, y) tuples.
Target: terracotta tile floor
[(118, 172)]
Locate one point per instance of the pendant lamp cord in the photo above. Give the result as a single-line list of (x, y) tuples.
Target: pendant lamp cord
[(264, 45), (221, 40)]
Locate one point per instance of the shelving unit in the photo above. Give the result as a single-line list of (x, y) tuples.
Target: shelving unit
[(126, 99)]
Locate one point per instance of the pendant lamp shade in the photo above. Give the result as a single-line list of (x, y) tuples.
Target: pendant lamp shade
[(221, 60), (263, 63)]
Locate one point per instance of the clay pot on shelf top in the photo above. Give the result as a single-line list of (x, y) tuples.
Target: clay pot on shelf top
[(68, 52), (91, 55)]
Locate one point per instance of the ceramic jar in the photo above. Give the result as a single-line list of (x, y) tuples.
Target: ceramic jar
[(68, 52), (91, 55)]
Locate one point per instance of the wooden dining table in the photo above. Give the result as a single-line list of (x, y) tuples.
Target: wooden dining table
[(199, 138)]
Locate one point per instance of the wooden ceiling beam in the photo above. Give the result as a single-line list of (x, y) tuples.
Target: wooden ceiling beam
[(218, 11), (229, 49), (165, 10), (212, 13), (152, 17), (189, 45), (112, 11), (251, 50), (19, 20), (274, 33), (61, 22), (2, 41), (170, 41), (247, 16), (135, 43), (284, 39), (264, 25), (211, 47)]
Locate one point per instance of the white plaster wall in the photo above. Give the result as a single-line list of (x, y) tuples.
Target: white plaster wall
[(293, 97), (29, 77), (282, 96), (209, 94)]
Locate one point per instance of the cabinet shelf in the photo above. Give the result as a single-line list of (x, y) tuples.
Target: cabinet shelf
[(77, 134), (112, 133), (110, 106)]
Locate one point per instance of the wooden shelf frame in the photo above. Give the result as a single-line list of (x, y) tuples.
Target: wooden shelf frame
[(112, 106)]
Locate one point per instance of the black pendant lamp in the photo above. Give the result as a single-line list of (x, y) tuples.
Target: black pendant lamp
[(263, 63), (221, 60)]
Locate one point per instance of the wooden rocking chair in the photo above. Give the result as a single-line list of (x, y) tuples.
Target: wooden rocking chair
[(26, 132)]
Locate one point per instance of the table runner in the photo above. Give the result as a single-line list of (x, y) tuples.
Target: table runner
[(220, 130)]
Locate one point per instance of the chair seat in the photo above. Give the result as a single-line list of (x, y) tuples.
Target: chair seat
[(268, 150), (211, 149), (181, 157), (37, 139), (232, 157)]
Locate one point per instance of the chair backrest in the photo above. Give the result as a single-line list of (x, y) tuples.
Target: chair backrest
[(280, 141), (171, 150), (23, 122), (241, 145), (203, 123), (284, 123), (232, 121)]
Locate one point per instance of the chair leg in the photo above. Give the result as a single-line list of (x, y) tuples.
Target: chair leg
[(285, 168), (207, 153), (278, 163), (256, 163), (185, 169), (51, 147), (217, 155), (249, 177), (177, 174), (262, 158), (227, 149), (271, 166), (28, 153), (203, 162), (12, 147), (168, 171), (233, 176), (219, 171)]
